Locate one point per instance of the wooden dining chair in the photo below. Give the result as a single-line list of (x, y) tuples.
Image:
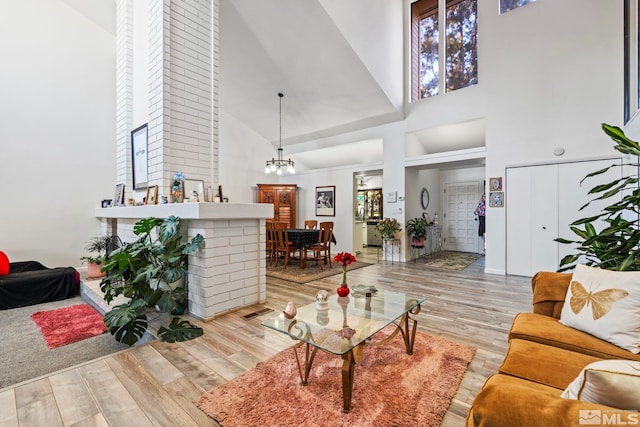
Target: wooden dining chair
[(271, 241), (284, 247), (322, 250), (310, 224)]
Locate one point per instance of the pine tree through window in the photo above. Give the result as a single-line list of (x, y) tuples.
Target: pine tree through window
[(460, 50)]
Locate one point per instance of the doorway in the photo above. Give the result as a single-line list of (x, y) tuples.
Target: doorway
[(368, 205), (460, 227)]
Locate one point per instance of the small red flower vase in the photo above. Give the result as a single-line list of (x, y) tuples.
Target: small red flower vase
[(343, 290)]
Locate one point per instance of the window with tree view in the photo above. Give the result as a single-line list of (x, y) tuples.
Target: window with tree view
[(459, 51)]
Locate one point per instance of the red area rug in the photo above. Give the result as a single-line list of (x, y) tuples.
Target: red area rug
[(391, 388), (69, 324)]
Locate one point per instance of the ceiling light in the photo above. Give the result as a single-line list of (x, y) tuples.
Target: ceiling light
[(276, 165), (361, 185)]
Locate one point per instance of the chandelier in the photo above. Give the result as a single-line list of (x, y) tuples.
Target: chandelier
[(361, 185), (276, 165)]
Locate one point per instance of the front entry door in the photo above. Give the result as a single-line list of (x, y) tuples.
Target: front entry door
[(460, 227)]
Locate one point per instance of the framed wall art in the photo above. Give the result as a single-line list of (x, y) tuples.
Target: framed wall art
[(496, 199), (325, 201), (118, 196), (495, 184), (152, 195), (139, 157)]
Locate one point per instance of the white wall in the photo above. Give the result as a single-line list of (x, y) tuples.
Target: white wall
[(57, 115), (243, 154), (549, 88)]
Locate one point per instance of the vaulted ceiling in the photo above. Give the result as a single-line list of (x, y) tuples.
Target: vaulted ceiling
[(340, 65)]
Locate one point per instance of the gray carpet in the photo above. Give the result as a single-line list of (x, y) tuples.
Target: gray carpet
[(24, 352)]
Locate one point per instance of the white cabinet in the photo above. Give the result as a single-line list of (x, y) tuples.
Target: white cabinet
[(541, 202)]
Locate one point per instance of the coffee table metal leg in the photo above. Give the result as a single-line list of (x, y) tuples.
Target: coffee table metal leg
[(309, 355), (348, 368), (408, 335)]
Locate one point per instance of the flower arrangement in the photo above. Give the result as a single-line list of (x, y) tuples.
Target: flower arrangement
[(176, 188), (178, 179), (345, 258), (388, 227)]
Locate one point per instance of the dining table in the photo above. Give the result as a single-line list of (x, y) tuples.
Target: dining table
[(303, 237)]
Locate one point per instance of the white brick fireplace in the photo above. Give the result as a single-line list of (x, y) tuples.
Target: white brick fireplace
[(229, 272)]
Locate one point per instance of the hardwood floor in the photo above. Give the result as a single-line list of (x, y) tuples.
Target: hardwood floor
[(155, 384)]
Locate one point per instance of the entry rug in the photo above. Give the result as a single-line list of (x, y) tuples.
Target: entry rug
[(452, 260), (391, 388), (66, 325)]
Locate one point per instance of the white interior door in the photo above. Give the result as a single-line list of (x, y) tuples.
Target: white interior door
[(574, 195), (532, 219), (541, 202), (460, 227)]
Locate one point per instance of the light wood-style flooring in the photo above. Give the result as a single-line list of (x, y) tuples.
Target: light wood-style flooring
[(154, 384)]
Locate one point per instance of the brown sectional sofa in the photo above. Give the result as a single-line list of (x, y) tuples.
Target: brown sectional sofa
[(544, 356)]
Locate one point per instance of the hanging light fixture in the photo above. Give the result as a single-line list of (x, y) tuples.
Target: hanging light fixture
[(361, 185), (277, 165)]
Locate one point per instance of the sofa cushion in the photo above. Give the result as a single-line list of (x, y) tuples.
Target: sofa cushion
[(608, 382), (549, 292), (549, 331), (544, 364), (506, 401), (605, 304), (4, 264)]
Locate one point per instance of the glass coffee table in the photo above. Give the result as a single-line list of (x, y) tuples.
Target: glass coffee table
[(344, 325)]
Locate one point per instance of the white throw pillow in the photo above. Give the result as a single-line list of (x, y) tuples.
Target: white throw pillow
[(605, 304), (613, 383)]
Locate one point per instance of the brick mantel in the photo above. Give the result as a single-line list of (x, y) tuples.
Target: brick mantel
[(230, 271)]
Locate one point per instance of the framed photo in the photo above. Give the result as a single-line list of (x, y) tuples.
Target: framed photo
[(106, 203), (496, 199), (391, 197), (191, 185), (325, 201), (139, 157), (118, 197), (495, 184), (152, 195)]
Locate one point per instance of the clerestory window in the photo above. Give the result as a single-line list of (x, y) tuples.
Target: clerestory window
[(458, 46), (507, 5)]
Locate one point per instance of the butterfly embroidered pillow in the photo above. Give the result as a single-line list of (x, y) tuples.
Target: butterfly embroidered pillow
[(605, 304)]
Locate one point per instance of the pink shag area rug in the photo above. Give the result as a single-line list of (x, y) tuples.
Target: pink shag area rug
[(390, 388), (66, 325)]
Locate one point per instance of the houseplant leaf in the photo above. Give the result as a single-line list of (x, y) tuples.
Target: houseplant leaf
[(179, 330)]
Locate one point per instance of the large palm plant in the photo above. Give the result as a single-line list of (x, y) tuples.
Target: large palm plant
[(617, 245)]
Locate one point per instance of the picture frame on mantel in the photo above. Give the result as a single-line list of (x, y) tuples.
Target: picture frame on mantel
[(140, 157), (152, 195), (325, 201), (191, 185), (118, 196)]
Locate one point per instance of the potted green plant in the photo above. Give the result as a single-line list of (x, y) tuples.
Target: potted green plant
[(97, 248), (143, 271), (617, 245), (388, 228), (417, 231)]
